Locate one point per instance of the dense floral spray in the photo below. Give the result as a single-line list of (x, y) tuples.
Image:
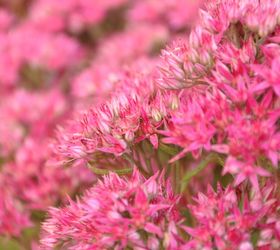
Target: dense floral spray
[(140, 124)]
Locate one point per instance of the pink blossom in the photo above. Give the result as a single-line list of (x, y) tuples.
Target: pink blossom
[(14, 218), (35, 112), (99, 79), (226, 103), (72, 14), (41, 50), (84, 92), (244, 171), (37, 183), (222, 224), (270, 76), (177, 14), (191, 126), (115, 212), (131, 115), (6, 19)]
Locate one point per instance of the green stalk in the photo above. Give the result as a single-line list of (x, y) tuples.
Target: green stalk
[(99, 171), (211, 158)]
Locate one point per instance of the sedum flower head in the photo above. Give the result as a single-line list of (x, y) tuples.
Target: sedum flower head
[(13, 216), (234, 219), (117, 213), (226, 71)]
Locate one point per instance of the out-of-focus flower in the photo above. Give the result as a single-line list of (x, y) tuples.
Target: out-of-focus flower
[(6, 19), (100, 78), (13, 216), (39, 184), (178, 14), (28, 113), (73, 15)]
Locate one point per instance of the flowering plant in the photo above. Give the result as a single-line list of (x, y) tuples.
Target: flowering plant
[(137, 125)]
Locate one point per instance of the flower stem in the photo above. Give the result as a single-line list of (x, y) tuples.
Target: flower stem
[(211, 158)]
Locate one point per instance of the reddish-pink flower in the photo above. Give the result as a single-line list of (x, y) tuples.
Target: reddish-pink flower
[(226, 220), (119, 213)]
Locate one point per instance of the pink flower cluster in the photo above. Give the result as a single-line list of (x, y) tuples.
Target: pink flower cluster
[(72, 15), (13, 216), (229, 219), (58, 59), (229, 99), (137, 107), (144, 211)]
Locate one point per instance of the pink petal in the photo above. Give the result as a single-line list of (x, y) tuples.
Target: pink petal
[(152, 228), (154, 140)]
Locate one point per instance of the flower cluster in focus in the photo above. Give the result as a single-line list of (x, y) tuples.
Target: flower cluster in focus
[(140, 124)]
